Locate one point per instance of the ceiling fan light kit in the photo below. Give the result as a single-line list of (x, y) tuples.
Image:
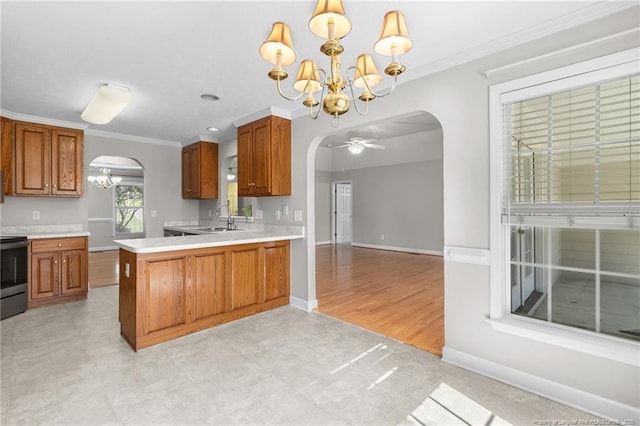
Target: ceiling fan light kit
[(356, 145), (330, 22), (108, 101)]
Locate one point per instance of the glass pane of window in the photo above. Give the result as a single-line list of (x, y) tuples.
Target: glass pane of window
[(129, 210), (620, 306), (576, 249), (573, 300)]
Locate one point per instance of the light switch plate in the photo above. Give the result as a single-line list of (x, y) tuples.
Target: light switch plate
[(277, 215), (154, 213), (297, 214), (36, 215), (259, 214)]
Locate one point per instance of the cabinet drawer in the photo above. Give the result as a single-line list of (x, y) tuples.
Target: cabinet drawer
[(54, 244)]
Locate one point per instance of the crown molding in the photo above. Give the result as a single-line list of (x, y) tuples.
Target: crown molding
[(42, 120), (131, 138), (278, 112)]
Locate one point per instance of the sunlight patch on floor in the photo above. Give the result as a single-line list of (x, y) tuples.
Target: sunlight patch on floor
[(447, 406)]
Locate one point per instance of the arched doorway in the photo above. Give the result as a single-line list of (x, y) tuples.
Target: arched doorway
[(393, 270), (116, 209)]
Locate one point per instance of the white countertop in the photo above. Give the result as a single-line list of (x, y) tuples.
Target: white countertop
[(217, 239), (35, 232)]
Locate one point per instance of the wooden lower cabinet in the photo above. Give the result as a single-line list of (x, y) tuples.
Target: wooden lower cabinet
[(58, 270), (172, 294)]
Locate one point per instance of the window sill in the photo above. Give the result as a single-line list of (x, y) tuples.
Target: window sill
[(608, 347)]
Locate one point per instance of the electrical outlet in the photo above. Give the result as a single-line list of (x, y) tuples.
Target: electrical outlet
[(209, 213), (154, 213), (277, 215), (259, 214), (382, 237), (36, 215), (285, 209), (297, 215)]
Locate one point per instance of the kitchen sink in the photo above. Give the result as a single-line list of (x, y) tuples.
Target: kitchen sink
[(209, 229)]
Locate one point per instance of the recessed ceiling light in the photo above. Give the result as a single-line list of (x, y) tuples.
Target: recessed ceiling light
[(209, 97), (213, 129)]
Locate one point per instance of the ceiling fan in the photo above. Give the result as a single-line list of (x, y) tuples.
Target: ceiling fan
[(357, 144)]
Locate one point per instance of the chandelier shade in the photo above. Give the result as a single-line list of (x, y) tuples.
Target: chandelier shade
[(366, 70), (278, 47), (329, 20), (394, 38), (308, 80)]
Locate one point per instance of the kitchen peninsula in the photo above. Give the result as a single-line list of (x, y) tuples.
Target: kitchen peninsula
[(174, 286)]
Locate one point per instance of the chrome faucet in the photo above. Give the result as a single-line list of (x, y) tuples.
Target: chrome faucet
[(230, 224)]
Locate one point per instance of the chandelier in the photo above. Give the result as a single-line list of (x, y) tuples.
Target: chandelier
[(330, 23), (104, 180)]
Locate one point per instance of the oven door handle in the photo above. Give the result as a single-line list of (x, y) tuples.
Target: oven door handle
[(14, 245)]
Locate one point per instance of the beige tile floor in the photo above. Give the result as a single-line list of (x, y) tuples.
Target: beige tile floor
[(68, 365)]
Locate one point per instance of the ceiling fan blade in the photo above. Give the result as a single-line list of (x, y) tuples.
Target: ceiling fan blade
[(340, 146), (374, 146)]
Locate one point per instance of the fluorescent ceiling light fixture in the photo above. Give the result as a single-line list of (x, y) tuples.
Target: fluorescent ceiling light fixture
[(108, 101)]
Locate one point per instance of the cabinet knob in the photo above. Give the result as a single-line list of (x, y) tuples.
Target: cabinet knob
[(55, 186), (59, 244), (55, 262), (64, 261), (46, 185)]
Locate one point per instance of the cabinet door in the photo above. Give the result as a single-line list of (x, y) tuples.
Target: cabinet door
[(67, 162), (276, 270), (245, 162), (191, 171), (209, 276), (244, 285), (73, 272), (44, 275), (33, 159), (6, 157), (166, 294), (262, 157)]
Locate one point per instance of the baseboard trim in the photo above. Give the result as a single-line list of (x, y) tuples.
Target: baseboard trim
[(105, 248), (304, 305), (323, 243), (401, 249), (564, 394)]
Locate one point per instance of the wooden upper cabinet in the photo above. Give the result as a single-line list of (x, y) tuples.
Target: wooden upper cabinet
[(264, 157), (200, 170), (40, 160)]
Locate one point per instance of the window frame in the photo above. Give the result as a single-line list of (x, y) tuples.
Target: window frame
[(500, 317)]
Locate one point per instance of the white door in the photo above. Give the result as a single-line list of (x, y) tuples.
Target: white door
[(342, 213), (523, 276)]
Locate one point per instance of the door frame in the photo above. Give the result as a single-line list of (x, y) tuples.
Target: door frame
[(334, 212)]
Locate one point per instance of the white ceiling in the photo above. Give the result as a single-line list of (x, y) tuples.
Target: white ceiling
[(56, 54)]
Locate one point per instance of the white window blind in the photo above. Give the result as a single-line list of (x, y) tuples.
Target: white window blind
[(574, 153)]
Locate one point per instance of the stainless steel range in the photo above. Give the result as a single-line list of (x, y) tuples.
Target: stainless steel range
[(14, 269)]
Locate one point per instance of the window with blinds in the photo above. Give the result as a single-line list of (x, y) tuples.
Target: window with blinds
[(576, 151)]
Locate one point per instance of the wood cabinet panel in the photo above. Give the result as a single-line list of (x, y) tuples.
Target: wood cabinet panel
[(200, 170), (7, 161), (244, 284), (33, 159), (276, 270), (58, 271), (51, 244), (264, 157), (67, 162), (166, 294), (208, 279), (73, 277), (44, 275)]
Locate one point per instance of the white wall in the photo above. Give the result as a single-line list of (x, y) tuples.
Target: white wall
[(458, 98)]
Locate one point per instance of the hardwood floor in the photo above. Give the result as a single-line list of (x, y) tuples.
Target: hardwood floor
[(400, 295), (103, 268)]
